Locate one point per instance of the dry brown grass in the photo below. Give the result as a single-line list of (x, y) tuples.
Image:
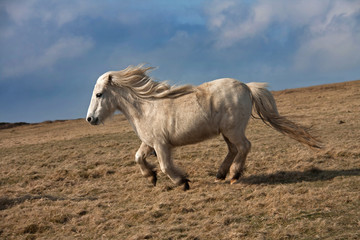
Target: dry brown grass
[(70, 180)]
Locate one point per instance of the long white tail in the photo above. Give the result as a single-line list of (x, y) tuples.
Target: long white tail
[(265, 107)]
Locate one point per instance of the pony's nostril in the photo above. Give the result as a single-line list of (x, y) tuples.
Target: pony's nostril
[(89, 119)]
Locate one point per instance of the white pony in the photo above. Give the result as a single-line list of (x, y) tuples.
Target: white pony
[(165, 116)]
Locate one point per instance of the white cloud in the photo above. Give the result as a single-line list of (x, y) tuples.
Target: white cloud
[(233, 21), (58, 12), (36, 35), (334, 43), (327, 30), (19, 11), (64, 12), (216, 10), (64, 48), (329, 51)]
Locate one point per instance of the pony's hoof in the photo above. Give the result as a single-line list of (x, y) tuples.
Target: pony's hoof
[(233, 181), (220, 176), (186, 184), (154, 178)]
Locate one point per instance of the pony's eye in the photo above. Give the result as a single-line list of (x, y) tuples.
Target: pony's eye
[(99, 95)]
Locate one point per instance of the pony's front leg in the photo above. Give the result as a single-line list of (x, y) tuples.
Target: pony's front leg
[(147, 169), (166, 164)]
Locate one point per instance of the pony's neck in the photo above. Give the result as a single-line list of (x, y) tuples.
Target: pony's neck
[(132, 108)]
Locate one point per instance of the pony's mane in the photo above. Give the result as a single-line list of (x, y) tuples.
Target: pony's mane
[(136, 79)]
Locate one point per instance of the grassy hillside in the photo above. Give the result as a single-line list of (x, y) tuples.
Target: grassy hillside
[(70, 180)]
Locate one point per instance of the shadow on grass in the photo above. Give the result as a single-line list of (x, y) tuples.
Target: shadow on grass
[(9, 202), (287, 177)]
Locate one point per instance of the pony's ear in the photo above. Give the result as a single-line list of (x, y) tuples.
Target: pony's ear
[(110, 79)]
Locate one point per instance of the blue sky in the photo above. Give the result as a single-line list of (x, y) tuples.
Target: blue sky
[(52, 52)]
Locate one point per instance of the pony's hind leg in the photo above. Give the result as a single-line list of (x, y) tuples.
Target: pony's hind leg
[(237, 168), (147, 169), (225, 165), (176, 175)]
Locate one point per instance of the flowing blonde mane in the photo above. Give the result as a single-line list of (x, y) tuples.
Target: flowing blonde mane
[(142, 86)]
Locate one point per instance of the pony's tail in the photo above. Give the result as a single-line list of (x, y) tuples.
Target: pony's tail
[(265, 107)]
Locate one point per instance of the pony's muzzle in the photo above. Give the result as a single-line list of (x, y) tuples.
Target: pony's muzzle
[(93, 120)]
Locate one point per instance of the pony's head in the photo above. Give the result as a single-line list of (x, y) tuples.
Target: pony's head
[(112, 86), (102, 104)]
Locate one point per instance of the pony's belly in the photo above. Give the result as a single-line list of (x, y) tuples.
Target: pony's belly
[(193, 135)]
